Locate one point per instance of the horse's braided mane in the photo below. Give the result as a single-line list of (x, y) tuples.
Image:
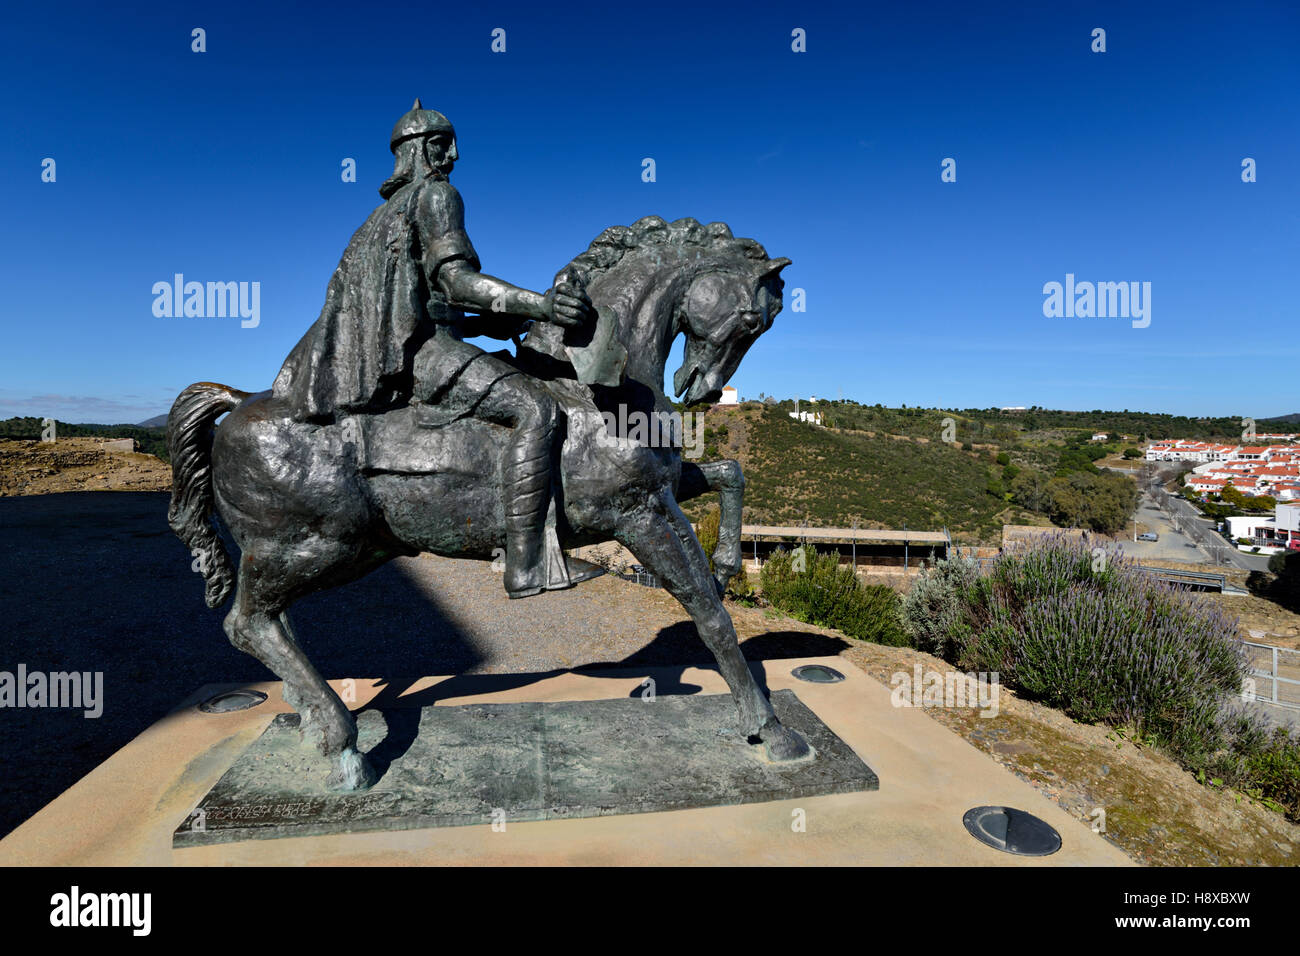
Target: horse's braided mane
[(617, 242)]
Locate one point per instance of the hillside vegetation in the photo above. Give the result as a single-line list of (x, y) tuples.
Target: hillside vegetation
[(920, 468)]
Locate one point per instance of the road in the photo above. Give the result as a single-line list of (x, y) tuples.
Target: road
[(1173, 544), (1188, 515)]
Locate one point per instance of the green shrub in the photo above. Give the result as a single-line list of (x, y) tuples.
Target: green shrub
[(740, 587), (1262, 762), (817, 589)]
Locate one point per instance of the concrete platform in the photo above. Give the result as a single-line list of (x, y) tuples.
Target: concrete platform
[(126, 810)]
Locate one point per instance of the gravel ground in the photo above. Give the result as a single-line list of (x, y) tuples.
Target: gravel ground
[(96, 581)]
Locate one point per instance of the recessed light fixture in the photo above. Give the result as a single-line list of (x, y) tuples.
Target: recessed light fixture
[(232, 700), (818, 674), (1012, 831)]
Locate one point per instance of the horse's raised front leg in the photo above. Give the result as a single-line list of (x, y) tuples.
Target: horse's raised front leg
[(726, 478), (662, 540), (265, 634)]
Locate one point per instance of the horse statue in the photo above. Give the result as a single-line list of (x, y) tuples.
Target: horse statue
[(315, 506)]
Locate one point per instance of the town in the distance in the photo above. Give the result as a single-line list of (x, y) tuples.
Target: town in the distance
[(1249, 474)]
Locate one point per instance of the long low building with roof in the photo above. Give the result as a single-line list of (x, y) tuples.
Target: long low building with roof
[(863, 548)]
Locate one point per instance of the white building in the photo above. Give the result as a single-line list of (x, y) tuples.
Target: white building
[(729, 396), (1277, 533), (1249, 526), (1287, 517)]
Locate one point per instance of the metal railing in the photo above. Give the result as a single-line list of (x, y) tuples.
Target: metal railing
[(1268, 663), (641, 576), (1200, 579)]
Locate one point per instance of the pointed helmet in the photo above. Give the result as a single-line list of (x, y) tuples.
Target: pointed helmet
[(421, 122)]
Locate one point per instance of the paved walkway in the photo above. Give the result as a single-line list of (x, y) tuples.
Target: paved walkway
[(127, 810)]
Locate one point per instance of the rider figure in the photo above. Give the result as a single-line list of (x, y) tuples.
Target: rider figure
[(392, 328)]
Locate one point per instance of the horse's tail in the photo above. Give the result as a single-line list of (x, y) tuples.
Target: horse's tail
[(189, 442)]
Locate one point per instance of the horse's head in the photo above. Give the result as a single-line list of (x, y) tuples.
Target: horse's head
[(722, 313), (660, 280)]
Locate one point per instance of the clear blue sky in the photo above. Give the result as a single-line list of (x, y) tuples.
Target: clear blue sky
[(1122, 166)]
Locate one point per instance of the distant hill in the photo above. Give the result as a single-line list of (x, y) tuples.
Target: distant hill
[(1292, 419), (832, 477), (158, 421), (151, 440)]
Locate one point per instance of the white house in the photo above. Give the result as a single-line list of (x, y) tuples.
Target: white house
[(1289, 491), (729, 396), (1206, 484), (1252, 453)]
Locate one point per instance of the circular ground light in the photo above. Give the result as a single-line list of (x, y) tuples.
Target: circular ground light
[(818, 674), (232, 700), (1012, 831)]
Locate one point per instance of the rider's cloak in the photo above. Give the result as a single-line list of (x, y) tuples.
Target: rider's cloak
[(382, 305)]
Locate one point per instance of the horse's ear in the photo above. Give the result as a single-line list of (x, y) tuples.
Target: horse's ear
[(773, 268)]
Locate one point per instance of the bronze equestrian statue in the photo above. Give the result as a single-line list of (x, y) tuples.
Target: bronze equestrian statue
[(387, 434)]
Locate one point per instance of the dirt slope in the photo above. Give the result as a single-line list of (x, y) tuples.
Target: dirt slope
[(76, 464)]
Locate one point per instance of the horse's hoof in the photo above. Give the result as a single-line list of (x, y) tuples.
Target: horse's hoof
[(352, 771), (783, 745)]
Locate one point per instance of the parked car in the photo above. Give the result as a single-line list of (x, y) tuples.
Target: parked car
[(1148, 536)]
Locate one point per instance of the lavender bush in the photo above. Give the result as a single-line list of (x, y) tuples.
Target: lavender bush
[(934, 610), (1106, 642)]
